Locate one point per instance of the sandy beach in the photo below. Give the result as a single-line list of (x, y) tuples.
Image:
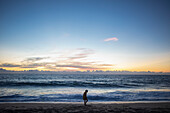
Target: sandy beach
[(156, 107)]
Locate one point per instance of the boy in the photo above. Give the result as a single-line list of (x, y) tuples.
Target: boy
[(85, 97)]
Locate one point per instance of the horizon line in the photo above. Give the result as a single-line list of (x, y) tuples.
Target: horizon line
[(87, 71)]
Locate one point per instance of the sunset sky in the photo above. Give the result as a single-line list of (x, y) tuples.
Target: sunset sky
[(79, 35)]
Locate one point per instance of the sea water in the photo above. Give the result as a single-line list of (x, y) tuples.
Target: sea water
[(70, 87)]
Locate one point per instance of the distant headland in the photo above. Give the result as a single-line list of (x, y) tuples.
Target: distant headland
[(123, 72)]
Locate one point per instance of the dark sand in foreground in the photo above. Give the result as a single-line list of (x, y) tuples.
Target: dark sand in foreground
[(162, 107)]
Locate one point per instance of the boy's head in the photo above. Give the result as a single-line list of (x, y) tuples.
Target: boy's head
[(86, 90)]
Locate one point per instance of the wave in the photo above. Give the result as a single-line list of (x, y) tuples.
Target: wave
[(69, 84), (111, 96), (96, 81)]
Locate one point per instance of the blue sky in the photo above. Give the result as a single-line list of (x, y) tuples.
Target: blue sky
[(35, 28)]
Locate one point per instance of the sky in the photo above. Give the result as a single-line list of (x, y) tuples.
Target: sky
[(79, 35)]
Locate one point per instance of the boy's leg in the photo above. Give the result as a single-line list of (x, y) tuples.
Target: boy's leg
[(85, 102)]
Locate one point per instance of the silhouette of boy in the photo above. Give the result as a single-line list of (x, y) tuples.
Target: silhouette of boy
[(85, 97)]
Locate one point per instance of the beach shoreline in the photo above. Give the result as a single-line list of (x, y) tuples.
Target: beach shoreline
[(92, 107), (93, 102)]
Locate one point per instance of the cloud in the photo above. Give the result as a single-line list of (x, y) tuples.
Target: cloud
[(77, 59), (34, 65), (85, 65), (83, 53), (9, 65), (81, 67), (105, 65), (74, 66), (111, 39), (34, 59)]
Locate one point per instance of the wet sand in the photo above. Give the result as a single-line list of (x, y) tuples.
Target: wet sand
[(156, 107)]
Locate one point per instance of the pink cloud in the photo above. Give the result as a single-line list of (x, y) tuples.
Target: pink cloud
[(110, 39)]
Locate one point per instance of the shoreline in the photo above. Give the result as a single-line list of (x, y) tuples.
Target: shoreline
[(102, 102), (154, 107)]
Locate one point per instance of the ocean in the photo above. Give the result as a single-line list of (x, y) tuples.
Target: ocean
[(70, 87)]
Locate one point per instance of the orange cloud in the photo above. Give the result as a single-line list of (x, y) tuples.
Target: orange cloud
[(75, 60), (110, 39)]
